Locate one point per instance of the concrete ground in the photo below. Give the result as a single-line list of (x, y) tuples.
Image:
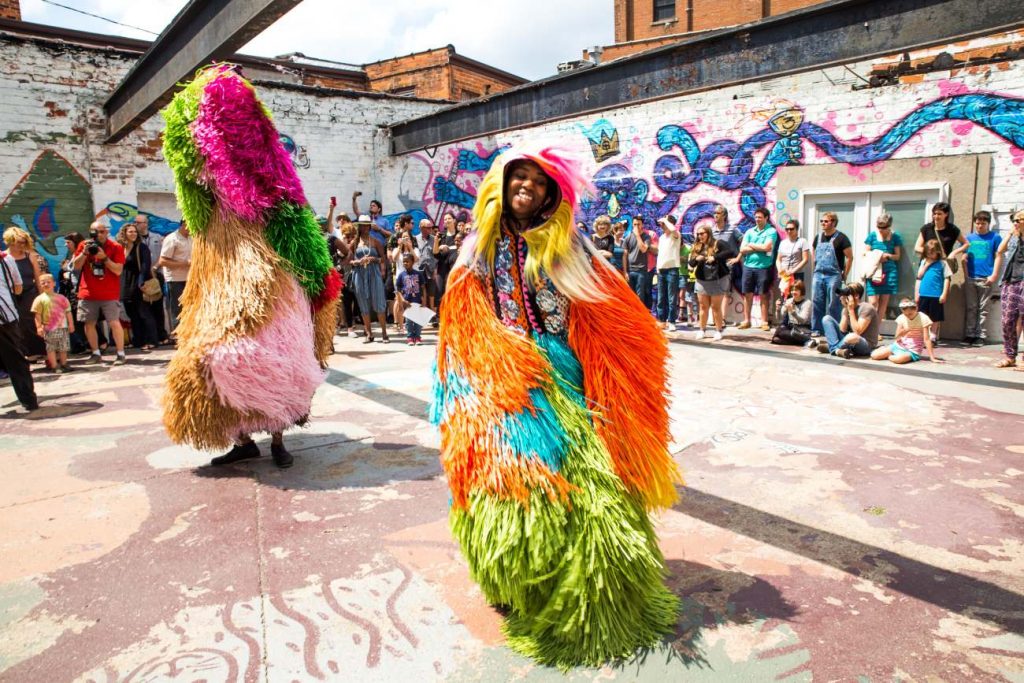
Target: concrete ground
[(843, 521)]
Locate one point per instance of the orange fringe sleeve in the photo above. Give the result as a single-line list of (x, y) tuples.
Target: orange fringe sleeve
[(501, 367), (623, 355)]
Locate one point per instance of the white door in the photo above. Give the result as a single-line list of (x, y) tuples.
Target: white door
[(858, 210)]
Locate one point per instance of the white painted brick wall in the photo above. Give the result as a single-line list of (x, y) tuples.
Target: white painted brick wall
[(338, 133), (825, 96)]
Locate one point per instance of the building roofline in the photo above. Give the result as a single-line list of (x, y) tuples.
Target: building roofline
[(480, 66), (829, 33), (454, 56), (136, 46), (450, 48)]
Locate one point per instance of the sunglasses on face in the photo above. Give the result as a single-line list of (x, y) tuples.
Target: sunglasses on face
[(790, 229)]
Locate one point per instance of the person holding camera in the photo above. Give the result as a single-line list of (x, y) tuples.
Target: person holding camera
[(100, 261), (856, 334), (795, 327)]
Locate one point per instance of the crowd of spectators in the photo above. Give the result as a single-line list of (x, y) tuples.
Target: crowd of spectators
[(126, 290), (389, 270), (690, 281), (108, 291)]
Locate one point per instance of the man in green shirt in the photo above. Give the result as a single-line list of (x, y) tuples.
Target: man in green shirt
[(756, 250)]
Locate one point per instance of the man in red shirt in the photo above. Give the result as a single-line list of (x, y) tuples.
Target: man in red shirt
[(100, 261)]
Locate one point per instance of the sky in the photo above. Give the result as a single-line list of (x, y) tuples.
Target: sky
[(528, 38)]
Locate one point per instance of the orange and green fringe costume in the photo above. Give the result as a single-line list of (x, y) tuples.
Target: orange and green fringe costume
[(555, 448)]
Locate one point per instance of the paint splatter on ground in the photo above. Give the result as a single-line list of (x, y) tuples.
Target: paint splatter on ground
[(840, 522)]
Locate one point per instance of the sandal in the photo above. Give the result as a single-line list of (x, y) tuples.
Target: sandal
[(1006, 363), (385, 340), (368, 340)]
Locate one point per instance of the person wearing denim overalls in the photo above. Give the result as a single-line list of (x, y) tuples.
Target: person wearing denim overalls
[(828, 273)]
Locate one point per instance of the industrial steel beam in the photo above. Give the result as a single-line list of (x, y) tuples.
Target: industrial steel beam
[(834, 32), (205, 30)]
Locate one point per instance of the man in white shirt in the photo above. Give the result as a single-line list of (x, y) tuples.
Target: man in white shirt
[(176, 259), (668, 272), (11, 358)]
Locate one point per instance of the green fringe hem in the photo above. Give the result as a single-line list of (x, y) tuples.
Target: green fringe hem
[(585, 581)]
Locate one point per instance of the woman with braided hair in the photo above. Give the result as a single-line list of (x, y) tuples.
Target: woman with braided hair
[(553, 443)]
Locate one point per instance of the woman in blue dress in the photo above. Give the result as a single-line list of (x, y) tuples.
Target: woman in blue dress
[(883, 239), (368, 280)]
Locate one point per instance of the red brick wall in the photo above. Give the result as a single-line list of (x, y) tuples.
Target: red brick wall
[(783, 6), (710, 14), (707, 14), (433, 75), (469, 83), (642, 26), (427, 72), (10, 9)]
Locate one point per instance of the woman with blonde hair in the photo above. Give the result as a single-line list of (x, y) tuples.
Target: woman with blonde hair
[(21, 247), (710, 260)]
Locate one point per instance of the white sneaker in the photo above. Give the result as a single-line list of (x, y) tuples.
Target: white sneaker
[(674, 327), (700, 335), (717, 335)]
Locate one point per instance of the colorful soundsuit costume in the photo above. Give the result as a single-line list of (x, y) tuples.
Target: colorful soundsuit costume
[(550, 395), (258, 313)]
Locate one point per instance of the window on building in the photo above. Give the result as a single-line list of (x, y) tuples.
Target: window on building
[(664, 10), (468, 94), (407, 91)]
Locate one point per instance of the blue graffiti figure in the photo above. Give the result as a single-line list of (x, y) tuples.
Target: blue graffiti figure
[(624, 197), (681, 172), (445, 189), (117, 214)]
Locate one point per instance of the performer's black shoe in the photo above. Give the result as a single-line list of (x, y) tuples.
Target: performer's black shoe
[(282, 458), (244, 451)]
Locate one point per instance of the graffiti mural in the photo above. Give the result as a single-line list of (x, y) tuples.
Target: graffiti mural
[(453, 176), (49, 201), (300, 159), (53, 200), (746, 168)]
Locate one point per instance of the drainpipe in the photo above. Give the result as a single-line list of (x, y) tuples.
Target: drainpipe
[(689, 16)]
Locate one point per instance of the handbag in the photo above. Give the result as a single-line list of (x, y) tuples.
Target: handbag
[(151, 289)]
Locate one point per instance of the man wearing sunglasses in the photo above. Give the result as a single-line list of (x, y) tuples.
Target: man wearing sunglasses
[(833, 257)]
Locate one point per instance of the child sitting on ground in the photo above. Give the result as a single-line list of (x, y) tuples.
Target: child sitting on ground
[(913, 335), (409, 287), (53, 320)]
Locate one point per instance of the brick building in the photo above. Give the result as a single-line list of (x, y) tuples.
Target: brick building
[(643, 24), (440, 74)]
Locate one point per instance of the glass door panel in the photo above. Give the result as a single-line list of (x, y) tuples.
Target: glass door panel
[(907, 218)]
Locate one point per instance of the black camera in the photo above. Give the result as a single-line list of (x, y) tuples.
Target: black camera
[(92, 246), (844, 290)]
